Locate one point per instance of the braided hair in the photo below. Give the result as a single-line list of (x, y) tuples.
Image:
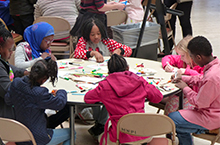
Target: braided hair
[(4, 35), (117, 63), (46, 68)]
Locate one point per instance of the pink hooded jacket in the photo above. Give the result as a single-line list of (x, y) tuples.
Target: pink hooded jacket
[(123, 93)]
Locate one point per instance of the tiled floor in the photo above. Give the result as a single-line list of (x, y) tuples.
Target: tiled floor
[(205, 21)]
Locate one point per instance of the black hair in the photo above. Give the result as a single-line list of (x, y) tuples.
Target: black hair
[(117, 63), (200, 46), (87, 27), (43, 68), (4, 35)]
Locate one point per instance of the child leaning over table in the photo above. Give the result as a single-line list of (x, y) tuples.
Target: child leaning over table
[(184, 64), (206, 114), (30, 101), (94, 42), (122, 92)]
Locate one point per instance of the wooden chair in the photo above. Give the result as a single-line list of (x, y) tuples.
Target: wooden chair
[(14, 131), (142, 124), (116, 17), (211, 137), (16, 37), (59, 24), (169, 29)]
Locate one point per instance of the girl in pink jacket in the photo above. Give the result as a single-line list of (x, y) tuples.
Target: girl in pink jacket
[(186, 66), (122, 92)]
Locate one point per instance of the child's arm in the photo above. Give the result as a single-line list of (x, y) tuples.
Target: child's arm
[(173, 60), (152, 93), (80, 51), (113, 45), (48, 101), (111, 6), (92, 96), (195, 71)]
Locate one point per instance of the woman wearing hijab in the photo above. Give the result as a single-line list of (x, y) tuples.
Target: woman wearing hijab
[(38, 38)]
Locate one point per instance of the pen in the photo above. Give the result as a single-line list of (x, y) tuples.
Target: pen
[(80, 67), (74, 63), (64, 77)]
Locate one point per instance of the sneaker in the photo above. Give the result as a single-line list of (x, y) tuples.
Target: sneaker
[(97, 129), (86, 116)]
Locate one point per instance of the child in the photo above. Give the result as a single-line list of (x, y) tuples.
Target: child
[(206, 114), (122, 92), (38, 39), (185, 65), (7, 72), (94, 42), (30, 101)]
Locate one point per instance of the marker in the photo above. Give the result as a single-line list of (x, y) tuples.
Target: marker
[(74, 63), (156, 78), (165, 83), (40, 53), (80, 67), (77, 94), (61, 67), (71, 91), (96, 69), (83, 71), (64, 77)]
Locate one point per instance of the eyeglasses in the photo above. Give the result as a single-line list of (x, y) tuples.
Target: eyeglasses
[(49, 41)]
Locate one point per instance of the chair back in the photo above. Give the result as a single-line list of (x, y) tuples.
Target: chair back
[(14, 131), (168, 15), (142, 124), (116, 17)]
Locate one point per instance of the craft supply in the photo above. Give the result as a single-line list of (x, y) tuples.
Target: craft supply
[(62, 67), (140, 65), (156, 78), (72, 63), (77, 94), (64, 77), (165, 83), (156, 82), (80, 67), (71, 91), (96, 69)]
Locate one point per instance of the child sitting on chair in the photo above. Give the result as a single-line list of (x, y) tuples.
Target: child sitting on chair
[(206, 114), (184, 64), (30, 101), (122, 92), (94, 42)]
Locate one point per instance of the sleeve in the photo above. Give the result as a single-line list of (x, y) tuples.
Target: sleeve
[(37, 12), (92, 96), (4, 81), (48, 101), (20, 58), (152, 93), (174, 60), (77, 3), (195, 71), (113, 45), (18, 72), (192, 80), (205, 97), (80, 51), (99, 4)]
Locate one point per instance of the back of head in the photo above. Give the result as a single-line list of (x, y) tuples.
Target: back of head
[(87, 27), (43, 69), (4, 35), (117, 63), (200, 46), (182, 45)]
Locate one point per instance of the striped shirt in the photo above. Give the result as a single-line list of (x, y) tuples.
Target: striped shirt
[(93, 5)]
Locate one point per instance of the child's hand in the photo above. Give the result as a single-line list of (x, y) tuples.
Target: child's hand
[(53, 57), (120, 6), (98, 56), (117, 51), (45, 55), (112, 2), (181, 84), (177, 76), (169, 68), (54, 92), (26, 73)]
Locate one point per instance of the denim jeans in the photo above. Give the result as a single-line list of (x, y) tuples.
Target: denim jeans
[(59, 136), (185, 128)]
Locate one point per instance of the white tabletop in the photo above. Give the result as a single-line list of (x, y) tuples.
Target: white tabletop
[(89, 65)]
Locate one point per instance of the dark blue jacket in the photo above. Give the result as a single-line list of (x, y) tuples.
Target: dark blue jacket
[(30, 104)]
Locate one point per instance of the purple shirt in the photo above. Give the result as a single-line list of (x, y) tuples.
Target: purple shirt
[(207, 101)]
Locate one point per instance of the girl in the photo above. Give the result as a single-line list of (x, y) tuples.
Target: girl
[(185, 65), (30, 101), (94, 42), (120, 93), (7, 72), (38, 39)]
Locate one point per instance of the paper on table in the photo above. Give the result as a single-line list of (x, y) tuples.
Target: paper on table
[(86, 79)]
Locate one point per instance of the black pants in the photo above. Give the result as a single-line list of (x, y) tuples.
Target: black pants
[(54, 120), (184, 20), (22, 22)]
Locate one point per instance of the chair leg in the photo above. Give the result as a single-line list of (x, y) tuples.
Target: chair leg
[(158, 111), (159, 48)]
